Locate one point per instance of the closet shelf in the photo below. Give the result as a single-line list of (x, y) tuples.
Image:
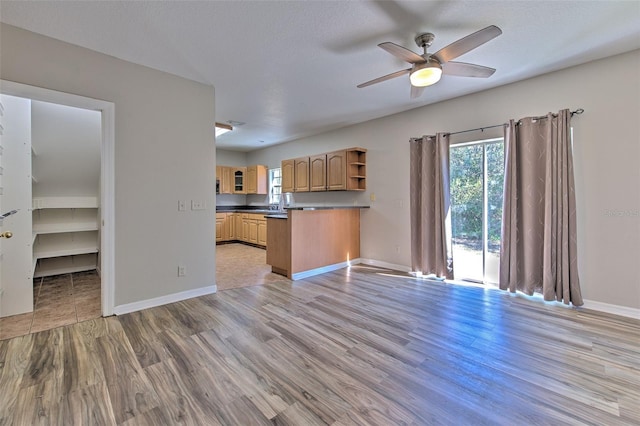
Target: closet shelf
[(54, 228), (64, 203), (59, 252)]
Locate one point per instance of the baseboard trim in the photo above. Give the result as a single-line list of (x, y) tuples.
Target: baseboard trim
[(624, 311), (324, 269), (387, 265), (163, 300)]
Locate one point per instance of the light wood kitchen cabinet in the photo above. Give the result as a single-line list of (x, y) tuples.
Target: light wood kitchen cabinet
[(220, 218), (288, 172), (262, 232), (356, 169), (237, 218), (223, 176), (256, 179), (343, 170), (253, 231), (301, 174), (318, 173), (245, 227), (229, 228), (238, 175), (337, 171)]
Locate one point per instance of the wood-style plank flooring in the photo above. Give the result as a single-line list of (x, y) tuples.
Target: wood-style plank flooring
[(352, 347)]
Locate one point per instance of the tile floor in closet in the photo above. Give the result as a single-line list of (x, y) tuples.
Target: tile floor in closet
[(58, 300)]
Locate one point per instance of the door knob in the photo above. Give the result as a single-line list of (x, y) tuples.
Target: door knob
[(7, 234)]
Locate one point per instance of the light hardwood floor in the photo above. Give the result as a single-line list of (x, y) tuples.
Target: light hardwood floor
[(351, 347)]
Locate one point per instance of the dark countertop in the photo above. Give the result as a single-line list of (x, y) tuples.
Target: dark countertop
[(277, 216), (265, 210), (326, 207)]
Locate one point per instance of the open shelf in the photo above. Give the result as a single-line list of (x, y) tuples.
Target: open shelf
[(65, 244), (51, 221), (64, 265), (65, 203)]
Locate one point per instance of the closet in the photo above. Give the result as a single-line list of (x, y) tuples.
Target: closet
[(65, 158)]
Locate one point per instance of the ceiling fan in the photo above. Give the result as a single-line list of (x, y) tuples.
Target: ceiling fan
[(426, 69)]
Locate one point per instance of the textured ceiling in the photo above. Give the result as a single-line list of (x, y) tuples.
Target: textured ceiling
[(289, 69)]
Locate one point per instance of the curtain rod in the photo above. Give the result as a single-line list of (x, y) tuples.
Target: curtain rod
[(482, 129)]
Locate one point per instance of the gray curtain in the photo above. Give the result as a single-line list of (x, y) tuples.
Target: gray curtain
[(430, 206), (538, 249)]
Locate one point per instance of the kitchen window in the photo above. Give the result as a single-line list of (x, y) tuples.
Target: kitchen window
[(275, 185)]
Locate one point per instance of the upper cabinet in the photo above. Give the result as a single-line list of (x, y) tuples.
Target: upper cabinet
[(223, 176), (238, 176), (318, 173), (256, 179), (301, 174), (344, 170), (337, 171), (287, 170), (356, 169)]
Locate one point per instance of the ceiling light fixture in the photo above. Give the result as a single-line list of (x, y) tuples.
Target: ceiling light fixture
[(222, 128), (426, 73)]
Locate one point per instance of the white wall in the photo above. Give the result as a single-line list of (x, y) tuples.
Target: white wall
[(164, 152), (67, 142), (607, 155)]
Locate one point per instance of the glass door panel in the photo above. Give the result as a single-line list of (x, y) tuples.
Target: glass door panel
[(466, 178), (494, 177), (476, 181)]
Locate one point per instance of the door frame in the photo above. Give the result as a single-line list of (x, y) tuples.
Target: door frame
[(107, 173)]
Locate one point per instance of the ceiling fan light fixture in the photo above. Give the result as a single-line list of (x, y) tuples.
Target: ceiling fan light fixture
[(222, 128), (426, 73)]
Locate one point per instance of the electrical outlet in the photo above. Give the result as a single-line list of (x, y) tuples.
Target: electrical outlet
[(397, 249), (182, 271), (182, 205), (198, 205)]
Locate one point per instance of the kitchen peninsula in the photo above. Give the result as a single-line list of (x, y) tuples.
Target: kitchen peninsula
[(307, 241)]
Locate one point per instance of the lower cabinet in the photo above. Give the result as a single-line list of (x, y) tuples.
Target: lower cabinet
[(262, 232), (220, 218), (245, 227)]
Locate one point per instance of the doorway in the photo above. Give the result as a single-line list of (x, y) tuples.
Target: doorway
[(476, 185), (105, 212)]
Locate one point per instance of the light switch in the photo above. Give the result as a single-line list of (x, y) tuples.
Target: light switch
[(182, 205), (198, 205), (372, 196)]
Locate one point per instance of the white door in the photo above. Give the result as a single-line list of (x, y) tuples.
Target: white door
[(16, 267)]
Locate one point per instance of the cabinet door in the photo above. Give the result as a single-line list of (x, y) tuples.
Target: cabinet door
[(238, 226), (337, 171), (226, 180), (252, 179), (288, 172), (262, 232), (245, 229), (220, 226), (253, 231), (228, 227), (301, 175), (238, 177), (318, 172)]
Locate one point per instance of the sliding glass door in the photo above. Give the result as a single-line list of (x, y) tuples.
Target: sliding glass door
[(476, 179)]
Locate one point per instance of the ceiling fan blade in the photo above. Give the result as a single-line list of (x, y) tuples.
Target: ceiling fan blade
[(463, 69), (467, 43), (416, 91), (401, 52), (384, 78)]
